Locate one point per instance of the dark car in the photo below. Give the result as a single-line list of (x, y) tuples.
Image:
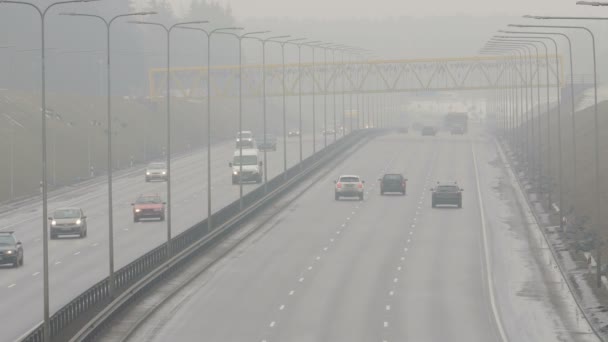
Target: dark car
[(457, 129), (392, 182), (429, 130), (148, 206), (447, 194), (11, 250), (268, 143)]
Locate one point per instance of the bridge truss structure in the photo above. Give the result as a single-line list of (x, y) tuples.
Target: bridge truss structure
[(361, 77)]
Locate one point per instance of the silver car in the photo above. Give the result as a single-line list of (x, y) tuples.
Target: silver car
[(349, 186), (68, 221), (156, 171)]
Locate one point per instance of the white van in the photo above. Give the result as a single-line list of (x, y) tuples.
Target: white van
[(252, 166)]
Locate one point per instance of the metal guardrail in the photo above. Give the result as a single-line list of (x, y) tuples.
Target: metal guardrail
[(68, 320)]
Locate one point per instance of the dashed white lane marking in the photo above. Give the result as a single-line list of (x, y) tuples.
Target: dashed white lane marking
[(272, 324), (301, 279), (318, 258), (405, 249), (309, 268), (12, 285), (325, 249), (282, 307), (388, 308), (411, 233), (77, 253), (35, 274), (402, 258), (95, 244), (395, 280), (343, 225), (391, 293), (348, 218), (413, 226), (58, 262), (408, 240), (292, 292), (386, 324), (398, 268), (331, 240), (337, 232)]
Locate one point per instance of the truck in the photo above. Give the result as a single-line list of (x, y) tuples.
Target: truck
[(457, 122)]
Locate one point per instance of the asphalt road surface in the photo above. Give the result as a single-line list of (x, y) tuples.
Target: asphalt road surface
[(389, 268), (76, 264)]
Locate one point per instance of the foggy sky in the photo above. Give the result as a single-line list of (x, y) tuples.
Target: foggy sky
[(342, 9)]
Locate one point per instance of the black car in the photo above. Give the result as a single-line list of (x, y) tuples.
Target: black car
[(392, 182), (447, 194), (459, 130), (268, 143), (11, 250), (429, 130)]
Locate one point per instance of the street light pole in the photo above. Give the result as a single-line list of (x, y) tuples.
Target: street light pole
[(572, 114), (209, 34), (168, 30), (45, 250), (597, 195), (264, 41), (299, 46), (108, 25), (240, 118)]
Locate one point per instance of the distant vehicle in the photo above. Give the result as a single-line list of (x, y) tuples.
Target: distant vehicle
[(329, 132), (457, 130), (269, 143), (349, 186), (294, 133), (392, 182), (148, 206), (429, 131), (245, 139), (11, 249), (447, 194), (68, 221), (454, 119), (252, 167), (156, 171)]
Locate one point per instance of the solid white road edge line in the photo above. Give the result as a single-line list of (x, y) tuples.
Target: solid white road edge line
[(489, 277)]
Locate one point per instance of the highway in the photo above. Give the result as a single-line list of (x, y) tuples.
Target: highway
[(76, 264), (389, 268)]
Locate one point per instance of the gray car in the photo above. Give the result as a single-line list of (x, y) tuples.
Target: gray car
[(68, 221), (447, 194), (156, 171)]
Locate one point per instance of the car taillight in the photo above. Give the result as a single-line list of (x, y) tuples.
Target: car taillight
[(360, 185), (339, 185)]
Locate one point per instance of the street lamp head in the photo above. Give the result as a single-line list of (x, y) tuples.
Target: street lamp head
[(591, 3), (252, 33), (278, 37), (527, 16)]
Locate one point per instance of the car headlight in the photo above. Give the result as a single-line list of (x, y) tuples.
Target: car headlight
[(137, 210), (10, 252), (78, 222), (147, 173), (164, 172), (53, 223), (235, 173), (237, 139)]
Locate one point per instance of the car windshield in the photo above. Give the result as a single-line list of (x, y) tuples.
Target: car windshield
[(393, 177), (149, 200), (447, 188), (244, 135), (7, 240), (157, 166), (66, 214), (247, 160), (349, 179)]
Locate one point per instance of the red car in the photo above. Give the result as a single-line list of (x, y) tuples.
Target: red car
[(148, 206)]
